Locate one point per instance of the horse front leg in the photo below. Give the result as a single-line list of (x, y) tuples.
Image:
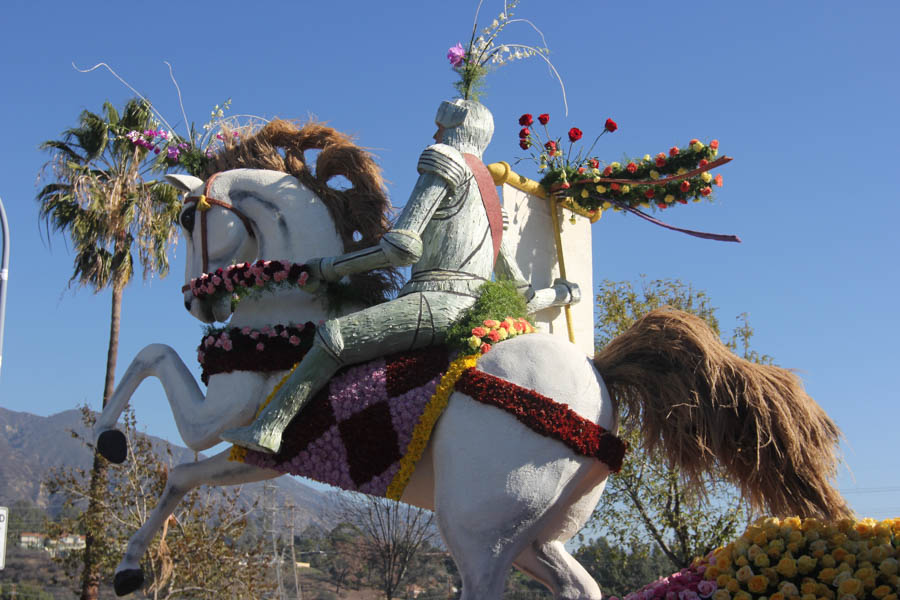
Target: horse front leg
[(216, 471), (199, 422)]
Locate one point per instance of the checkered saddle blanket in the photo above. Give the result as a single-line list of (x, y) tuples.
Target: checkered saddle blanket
[(367, 428)]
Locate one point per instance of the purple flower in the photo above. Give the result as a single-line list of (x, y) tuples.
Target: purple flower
[(456, 55), (706, 588), (172, 153)]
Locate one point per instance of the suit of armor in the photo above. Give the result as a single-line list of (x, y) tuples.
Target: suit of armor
[(444, 233)]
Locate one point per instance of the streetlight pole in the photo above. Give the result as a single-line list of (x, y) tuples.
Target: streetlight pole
[(4, 273)]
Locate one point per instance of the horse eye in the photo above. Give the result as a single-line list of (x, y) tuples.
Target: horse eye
[(187, 218)]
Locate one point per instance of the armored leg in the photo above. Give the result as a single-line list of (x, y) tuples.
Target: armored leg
[(317, 367), (413, 321)]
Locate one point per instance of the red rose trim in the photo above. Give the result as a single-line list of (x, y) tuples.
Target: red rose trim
[(546, 417), (526, 120)]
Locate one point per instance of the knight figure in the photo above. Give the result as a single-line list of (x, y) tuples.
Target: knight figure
[(445, 233)]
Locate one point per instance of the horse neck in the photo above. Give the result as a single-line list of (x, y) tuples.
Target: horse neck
[(278, 307)]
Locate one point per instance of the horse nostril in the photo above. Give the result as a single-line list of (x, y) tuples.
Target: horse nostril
[(187, 304)]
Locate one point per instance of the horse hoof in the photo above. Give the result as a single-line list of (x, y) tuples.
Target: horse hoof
[(127, 581), (112, 446)]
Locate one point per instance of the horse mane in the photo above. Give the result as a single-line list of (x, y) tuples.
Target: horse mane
[(361, 209)]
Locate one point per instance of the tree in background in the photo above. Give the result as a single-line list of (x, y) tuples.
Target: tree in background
[(99, 194), (618, 571), (647, 500), (197, 555), (390, 534)]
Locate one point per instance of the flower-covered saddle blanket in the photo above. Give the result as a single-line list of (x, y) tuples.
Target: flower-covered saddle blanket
[(367, 429)]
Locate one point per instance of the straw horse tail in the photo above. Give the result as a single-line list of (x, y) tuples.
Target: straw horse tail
[(705, 409)]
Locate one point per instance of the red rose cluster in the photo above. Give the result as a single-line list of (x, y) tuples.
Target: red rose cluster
[(551, 149)]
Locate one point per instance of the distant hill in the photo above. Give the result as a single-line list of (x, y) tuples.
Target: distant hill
[(31, 445)]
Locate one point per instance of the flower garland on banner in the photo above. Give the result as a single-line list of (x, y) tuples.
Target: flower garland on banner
[(668, 178), (272, 348), (785, 559)]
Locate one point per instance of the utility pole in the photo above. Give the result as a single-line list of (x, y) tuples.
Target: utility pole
[(269, 528), (294, 554), (4, 273)]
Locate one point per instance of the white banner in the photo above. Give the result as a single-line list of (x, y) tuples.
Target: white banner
[(531, 233)]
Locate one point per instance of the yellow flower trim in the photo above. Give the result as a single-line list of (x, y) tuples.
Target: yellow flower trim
[(422, 432), (238, 453)]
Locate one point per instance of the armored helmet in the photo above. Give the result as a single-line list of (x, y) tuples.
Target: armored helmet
[(468, 125)]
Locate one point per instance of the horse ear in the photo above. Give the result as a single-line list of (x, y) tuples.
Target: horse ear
[(184, 183)]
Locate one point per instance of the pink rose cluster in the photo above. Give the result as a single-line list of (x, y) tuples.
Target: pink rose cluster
[(261, 274), (686, 584)]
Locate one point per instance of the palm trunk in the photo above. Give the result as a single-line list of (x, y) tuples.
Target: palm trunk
[(90, 581)]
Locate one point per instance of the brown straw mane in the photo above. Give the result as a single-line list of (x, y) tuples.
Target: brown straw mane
[(706, 408), (363, 208)]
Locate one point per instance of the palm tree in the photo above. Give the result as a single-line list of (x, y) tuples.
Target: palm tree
[(100, 194)]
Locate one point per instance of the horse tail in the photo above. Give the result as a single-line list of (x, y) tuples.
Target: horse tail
[(707, 409)]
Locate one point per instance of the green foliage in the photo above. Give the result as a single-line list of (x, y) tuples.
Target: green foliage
[(23, 591), (24, 517), (647, 501), (497, 300), (197, 554), (470, 85), (618, 571)]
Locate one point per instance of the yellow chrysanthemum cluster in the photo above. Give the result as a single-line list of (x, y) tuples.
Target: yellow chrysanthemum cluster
[(809, 560)]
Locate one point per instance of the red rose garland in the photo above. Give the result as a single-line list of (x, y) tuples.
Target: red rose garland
[(544, 416)]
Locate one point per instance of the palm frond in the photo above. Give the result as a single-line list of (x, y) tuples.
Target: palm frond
[(62, 147), (97, 196)]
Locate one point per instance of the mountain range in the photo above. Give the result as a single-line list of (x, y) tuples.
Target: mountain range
[(31, 446)]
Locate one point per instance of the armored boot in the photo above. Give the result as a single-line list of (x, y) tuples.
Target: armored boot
[(314, 371)]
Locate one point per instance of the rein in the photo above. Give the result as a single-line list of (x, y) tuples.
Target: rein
[(204, 202)]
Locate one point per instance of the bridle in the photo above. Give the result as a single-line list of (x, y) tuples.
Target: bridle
[(204, 202)]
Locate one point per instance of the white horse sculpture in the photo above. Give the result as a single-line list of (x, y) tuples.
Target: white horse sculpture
[(503, 495)]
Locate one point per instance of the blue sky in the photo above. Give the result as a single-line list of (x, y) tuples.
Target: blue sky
[(803, 95)]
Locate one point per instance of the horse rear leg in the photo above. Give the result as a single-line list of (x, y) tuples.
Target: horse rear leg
[(216, 471), (546, 558), (496, 486)]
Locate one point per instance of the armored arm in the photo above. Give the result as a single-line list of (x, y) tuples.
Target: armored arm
[(441, 170), (561, 293)]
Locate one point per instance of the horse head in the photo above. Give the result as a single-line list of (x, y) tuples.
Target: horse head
[(261, 201)]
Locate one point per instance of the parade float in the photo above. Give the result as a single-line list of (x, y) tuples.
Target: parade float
[(463, 392)]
